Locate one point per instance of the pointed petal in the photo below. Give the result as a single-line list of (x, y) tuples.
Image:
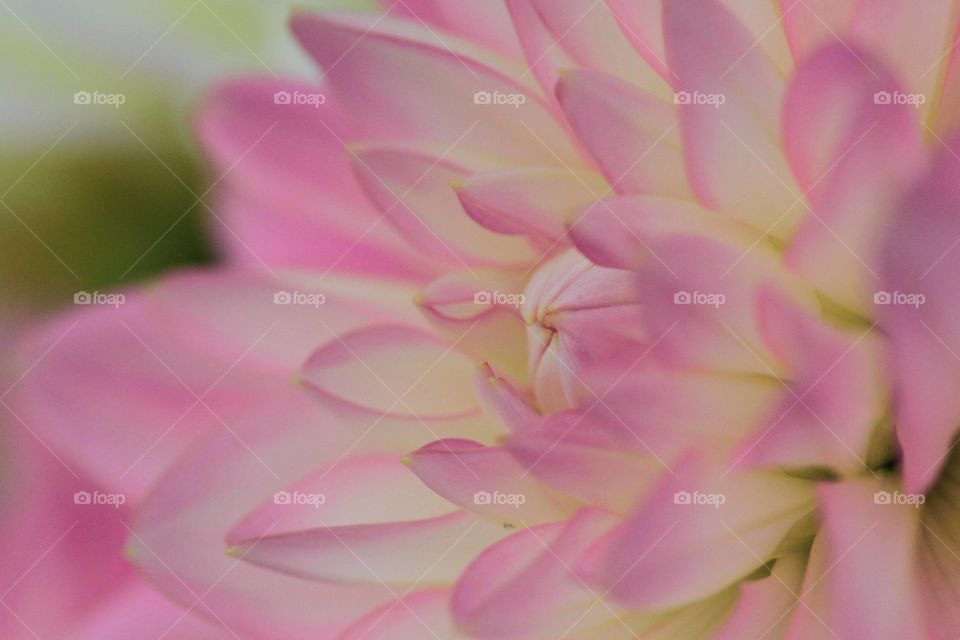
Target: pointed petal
[(524, 584), (423, 613), (698, 531), (489, 481), (533, 202), (286, 174), (729, 96), (917, 307), (852, 157), (846, 591), (835, 395), (480, 21), (632, 134), (558, 34), (398, 83), (410, 385), (412, 189)]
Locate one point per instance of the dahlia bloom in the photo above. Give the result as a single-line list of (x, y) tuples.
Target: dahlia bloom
[(553, 319)]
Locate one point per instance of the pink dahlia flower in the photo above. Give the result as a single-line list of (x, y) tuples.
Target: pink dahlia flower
[(705, 254)]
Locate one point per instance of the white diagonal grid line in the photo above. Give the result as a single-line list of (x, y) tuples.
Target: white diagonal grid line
[(950, 150), (199, 599), (43, 155), (400, 200), (758, 40), (799, 599), (21, 420), (600, 199), (239, 39), (18, 218), (839, 39), (796, 596), (948, 349), (398, 599), (39, 39), (603, 597), (438, 38), (599, 401), (158, 40), (398, 399), (801, 199), (199, 199), (799, 399), (26, 573), (200, 398), (556, 41), (598, 598)]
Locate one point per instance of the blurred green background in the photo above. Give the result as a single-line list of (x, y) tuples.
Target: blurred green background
[(96, 195)]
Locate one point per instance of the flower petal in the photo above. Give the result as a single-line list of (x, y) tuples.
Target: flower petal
[(489, 481), (559, 34), (847, 593), (397, 83), (640, 21), (433, 551), (480, 21), (412, 189), (917, 310), (631, 134), (699, 530), (910, 42), (286, 173), (524, 584), (729, 96), (763, 605), (853, 155), (534, 202), (178, 532), (833, 399), (423, 613), (413, 385)]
